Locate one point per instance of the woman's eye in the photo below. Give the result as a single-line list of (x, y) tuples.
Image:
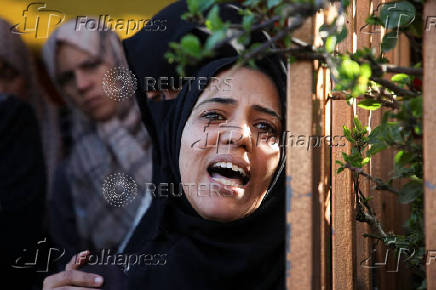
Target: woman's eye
[(266, 127), (65, 78), (212, 116)]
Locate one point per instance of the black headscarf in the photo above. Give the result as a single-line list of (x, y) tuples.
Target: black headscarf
[(145, 53), (22, 189), (248, 253)]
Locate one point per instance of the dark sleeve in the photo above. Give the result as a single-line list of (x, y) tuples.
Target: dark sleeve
[(62, 221), (22, 185)]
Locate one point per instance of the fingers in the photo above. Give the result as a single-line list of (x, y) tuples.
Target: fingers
[(72, 278), (77, 261)]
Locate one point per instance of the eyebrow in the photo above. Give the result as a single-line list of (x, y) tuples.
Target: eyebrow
[(89, 61), (228, 101), (266, 111), (225, 101)]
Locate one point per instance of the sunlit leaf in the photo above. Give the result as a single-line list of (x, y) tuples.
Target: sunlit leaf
[(369, 104)]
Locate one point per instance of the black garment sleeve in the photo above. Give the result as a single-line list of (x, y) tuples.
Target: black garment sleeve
[(22, 188), (62, 219)]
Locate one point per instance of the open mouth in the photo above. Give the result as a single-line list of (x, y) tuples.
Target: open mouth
[(229, 173)]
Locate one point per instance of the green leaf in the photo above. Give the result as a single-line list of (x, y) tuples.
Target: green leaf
[(416, 107), (345, 156), (365, 70), (193, 6), (248, 21), (345, 3), (401, 79), (340, 169), (214, 39), (271, 3), (349, 68), (369, 104), (410, 192), (357, 124), (373, 20), (365, 160), (397, 14), (198, 6), (341, 35), (214, 22), (191, 45), (398, 156), (330, 44), (389, 41), (251, 3), (347, 134), (375, 148), (403, 157)]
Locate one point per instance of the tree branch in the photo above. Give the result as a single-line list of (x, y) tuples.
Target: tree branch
[(380, 184), (396, 89)]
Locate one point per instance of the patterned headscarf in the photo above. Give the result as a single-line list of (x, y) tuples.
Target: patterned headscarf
[(124, 145)]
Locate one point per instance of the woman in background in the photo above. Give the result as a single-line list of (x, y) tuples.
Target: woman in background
[(20, 79), (108, 137), (22, 169)]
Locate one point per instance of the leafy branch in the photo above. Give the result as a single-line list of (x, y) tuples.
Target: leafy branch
[(365, 77)]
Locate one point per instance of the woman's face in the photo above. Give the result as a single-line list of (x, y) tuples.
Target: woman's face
[(227, 159), (80, 75), (11, 82)]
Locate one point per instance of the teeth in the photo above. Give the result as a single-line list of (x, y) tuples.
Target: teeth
[(229, 165), (226, 181)]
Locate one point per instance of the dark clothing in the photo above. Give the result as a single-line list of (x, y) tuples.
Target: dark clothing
[(200, 254), (22, 191), (145, 53), (62, 222), (189, 252)]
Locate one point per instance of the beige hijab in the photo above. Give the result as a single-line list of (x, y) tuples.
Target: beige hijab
[(125, 147)]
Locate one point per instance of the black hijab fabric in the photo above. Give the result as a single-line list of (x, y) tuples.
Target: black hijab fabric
[(22, 191), (145, 52), (248, 253)]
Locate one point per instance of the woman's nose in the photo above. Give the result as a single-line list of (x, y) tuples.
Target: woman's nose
[(83, 81), (236, 136)]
